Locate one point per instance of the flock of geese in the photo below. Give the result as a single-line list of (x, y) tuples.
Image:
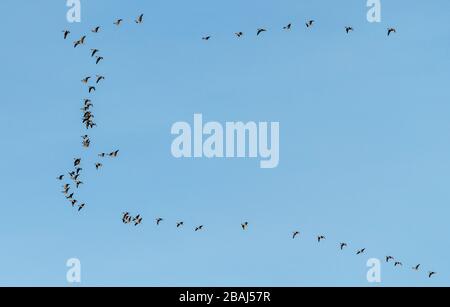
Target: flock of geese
[(88, 122)]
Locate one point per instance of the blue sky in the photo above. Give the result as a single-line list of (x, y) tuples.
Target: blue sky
[(364, 143)]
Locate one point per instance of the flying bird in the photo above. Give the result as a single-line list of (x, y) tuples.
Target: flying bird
[(137, 220), (140, 19), (294, 234), (244, 225), (416, 268), (66, 33), (98, 166), (430, 274), (96, 29), (288, 27), (259, 31), (94, 51), (80, 207), (179, 224), (391, 30), (76, 161), (91, 89), (82, 39), (348, 29), (99, 58), (114, 153), (60, 177), (361, 251), (199, 228), (99, 78), (158, 220), (343, 245), (76, 43), (206, 38), (118, 22), (85, 80), (309, 23), (320, 238), (239, 34), (389, 258), (398, 263)]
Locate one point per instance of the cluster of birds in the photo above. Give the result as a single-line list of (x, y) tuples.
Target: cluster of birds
[(88, 121), (289, 26)]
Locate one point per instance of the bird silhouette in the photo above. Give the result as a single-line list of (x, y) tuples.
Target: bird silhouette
[(140, 19), (288, 27), (389, 258), (391, 30), (244, 225), (179, 224), (91, 89), (259, 31), (398, 263), (320, 238), (294, 234), (60, 177), (206, 38), (96, 29), (416, 268), (76, 161), (118, 22), (99, 78), (310, 23), (159, 220), (99, 58), (361, 251), (98, 166), (80, 207), (430, 274), (198, 228), (94, 52), (66, 33), (137, 220), (239, 34), (348, 29), (343, 245)]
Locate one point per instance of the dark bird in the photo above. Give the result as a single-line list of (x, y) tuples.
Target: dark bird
[(288, 27), (398, 263), (99, 78), (179, 224), (239, 34), (66, 33), (91, 88), (102, 154), (85, 80), (199, 228), (76, 43), (99, 58), (80, 207), (137, 220), (78, 183), (244, 225), (140, 19), (76, 161), (343, 245), (206, 38), (361, 251), (118, 22), (96, 30), (78, 170), (60, 177), (94, 51), (320, 238), (294, 234), (391, 30), (389, 258), (309, 23), (114, 154), (98, 166), (69, 196), (74, 202), (416, 268), (430, 274), (259, 31), (348, 29), (82, 39), (126, 217), (158, 220)]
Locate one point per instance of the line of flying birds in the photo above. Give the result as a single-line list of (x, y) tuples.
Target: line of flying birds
[(88, 122)]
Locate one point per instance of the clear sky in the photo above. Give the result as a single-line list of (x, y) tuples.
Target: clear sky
[(364, 143)]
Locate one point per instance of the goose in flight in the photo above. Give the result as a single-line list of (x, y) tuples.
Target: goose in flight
[(69, 196), (309, 23), (343, 245), (199, 228), (244, 225), (389, 258), (85, 80), (391, 30), (320, 238), (76, 43), (259, 31), (348, 29), (361, 251), (60, 177), (288, 27), (98, 166), (430, 274), (81, 207), (91, 89), (76, 161), (398, 263), (66, 33), (125, 217), (294, 234), (140, 19), (179, 224), (78, 183), (137, 220), (74, 202), (206, 38), (99, 58), (239, 34), (99, 78), (96, 29), (102, 154), (94, 51), (114, 153), (416, 268), (82, 39), (118, 22), (159, 220)]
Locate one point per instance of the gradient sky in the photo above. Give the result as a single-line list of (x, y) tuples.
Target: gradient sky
[(364, 152)]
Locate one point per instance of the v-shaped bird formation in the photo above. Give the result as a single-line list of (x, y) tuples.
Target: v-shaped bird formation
[(93, 81)]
